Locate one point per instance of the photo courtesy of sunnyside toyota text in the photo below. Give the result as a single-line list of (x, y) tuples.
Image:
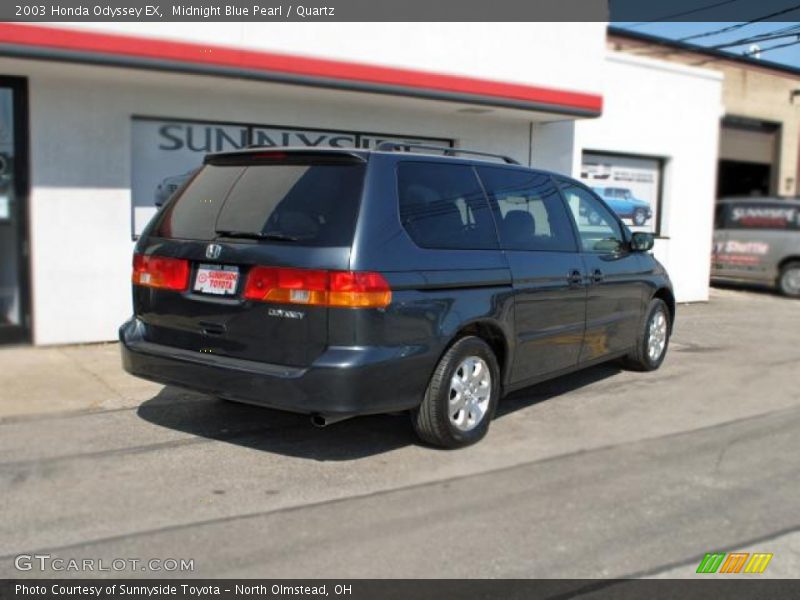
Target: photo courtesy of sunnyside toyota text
[(400, 299)]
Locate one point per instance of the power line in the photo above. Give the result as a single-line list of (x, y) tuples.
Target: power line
[(765, 37), (749, 54), (740, 25), (682, 14), (768, 48), (789, 31)]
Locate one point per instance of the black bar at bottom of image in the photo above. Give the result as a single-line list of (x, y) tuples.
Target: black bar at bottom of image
[(730, 588)]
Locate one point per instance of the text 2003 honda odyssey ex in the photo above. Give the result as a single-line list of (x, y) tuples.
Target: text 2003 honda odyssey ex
[(344, 282)]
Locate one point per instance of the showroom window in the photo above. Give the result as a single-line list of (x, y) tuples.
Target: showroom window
[(631, 185)]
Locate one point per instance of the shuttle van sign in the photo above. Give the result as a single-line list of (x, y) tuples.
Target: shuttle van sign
[(166, 153)]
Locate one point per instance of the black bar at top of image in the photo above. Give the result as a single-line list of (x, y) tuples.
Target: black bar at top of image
[(314, 10), (730, 587), (400, 10)]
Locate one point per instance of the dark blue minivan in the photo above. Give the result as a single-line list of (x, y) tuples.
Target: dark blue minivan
[(342, 282)]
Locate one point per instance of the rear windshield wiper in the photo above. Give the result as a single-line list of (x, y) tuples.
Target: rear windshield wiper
[(259, 235)]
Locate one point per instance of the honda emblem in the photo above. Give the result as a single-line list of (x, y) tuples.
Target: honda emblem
[(213, 251)]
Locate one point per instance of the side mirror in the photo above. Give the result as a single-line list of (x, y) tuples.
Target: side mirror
[(642, 241)]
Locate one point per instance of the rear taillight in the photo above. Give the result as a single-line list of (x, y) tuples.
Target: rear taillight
[(350, 288), (160, 272), (318, 288)]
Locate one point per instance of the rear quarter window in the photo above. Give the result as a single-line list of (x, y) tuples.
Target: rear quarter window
[(313, 204)]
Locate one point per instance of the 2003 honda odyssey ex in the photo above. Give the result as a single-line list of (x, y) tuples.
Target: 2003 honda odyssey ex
[(346, 282)]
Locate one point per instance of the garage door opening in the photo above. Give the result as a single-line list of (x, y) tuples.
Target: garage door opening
[(748, 157), (739, 178)]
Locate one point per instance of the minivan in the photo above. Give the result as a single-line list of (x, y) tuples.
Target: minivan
[(344, 282), (757, 240)]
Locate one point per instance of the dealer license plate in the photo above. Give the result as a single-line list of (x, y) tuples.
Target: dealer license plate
[(216, 279)]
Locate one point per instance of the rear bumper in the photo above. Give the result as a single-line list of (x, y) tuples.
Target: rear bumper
[(343, 381)]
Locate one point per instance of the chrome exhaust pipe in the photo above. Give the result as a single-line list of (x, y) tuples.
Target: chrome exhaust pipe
[(321, 421)]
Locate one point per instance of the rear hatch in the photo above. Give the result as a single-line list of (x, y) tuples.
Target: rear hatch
[(204, 260)]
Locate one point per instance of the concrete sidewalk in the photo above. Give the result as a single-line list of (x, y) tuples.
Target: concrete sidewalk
[(57, 379)]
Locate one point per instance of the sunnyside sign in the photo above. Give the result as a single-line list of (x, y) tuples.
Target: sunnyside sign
[(166, 152)]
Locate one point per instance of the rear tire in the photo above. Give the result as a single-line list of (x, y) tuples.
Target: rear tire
[(462, 396), (789, 280), (639, 217), (652, 340)]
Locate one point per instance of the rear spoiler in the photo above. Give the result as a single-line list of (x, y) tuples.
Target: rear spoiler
[(267, 155)]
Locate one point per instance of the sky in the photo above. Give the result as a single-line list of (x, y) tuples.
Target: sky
[(675, 30)]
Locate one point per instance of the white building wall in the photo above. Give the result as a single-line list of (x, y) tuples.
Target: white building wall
[(555, 55), (80, 120), (662, 109), (554, 147)]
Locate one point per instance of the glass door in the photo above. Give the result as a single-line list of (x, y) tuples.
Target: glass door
[(14, 307)]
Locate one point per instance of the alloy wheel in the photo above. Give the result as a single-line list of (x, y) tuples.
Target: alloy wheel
[(470, 393), (656, 335)]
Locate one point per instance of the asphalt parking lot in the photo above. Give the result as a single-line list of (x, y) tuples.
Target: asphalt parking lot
[(604, 473)]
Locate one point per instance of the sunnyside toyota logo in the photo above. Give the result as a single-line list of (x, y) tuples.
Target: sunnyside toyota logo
[(755, 563)]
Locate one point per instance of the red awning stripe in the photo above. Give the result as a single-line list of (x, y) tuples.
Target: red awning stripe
[(272, 62)]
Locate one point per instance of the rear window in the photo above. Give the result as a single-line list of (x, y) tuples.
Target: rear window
[(309, 203)]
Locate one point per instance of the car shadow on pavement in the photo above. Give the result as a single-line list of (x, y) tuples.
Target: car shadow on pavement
[(555, 387), (276, 431), (294, 435)]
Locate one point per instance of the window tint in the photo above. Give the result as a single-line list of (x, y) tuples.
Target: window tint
[(528, 209), (720, 214), (774, 217), (443, 206), (309, 204), (599, 230), (193, 215)]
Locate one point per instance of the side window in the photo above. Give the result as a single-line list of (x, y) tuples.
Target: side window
[(529, 212), (597, 227), (720, 216), (443, 206), (774, 217)]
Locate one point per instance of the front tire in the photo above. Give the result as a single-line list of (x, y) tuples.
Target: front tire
[(462, 396), (789, 281), (653, 338)]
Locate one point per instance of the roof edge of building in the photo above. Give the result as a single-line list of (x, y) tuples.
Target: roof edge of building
[(51, 43), (745, 61)]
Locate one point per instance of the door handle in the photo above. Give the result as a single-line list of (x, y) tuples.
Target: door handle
[(597, 276), (574, 277)]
